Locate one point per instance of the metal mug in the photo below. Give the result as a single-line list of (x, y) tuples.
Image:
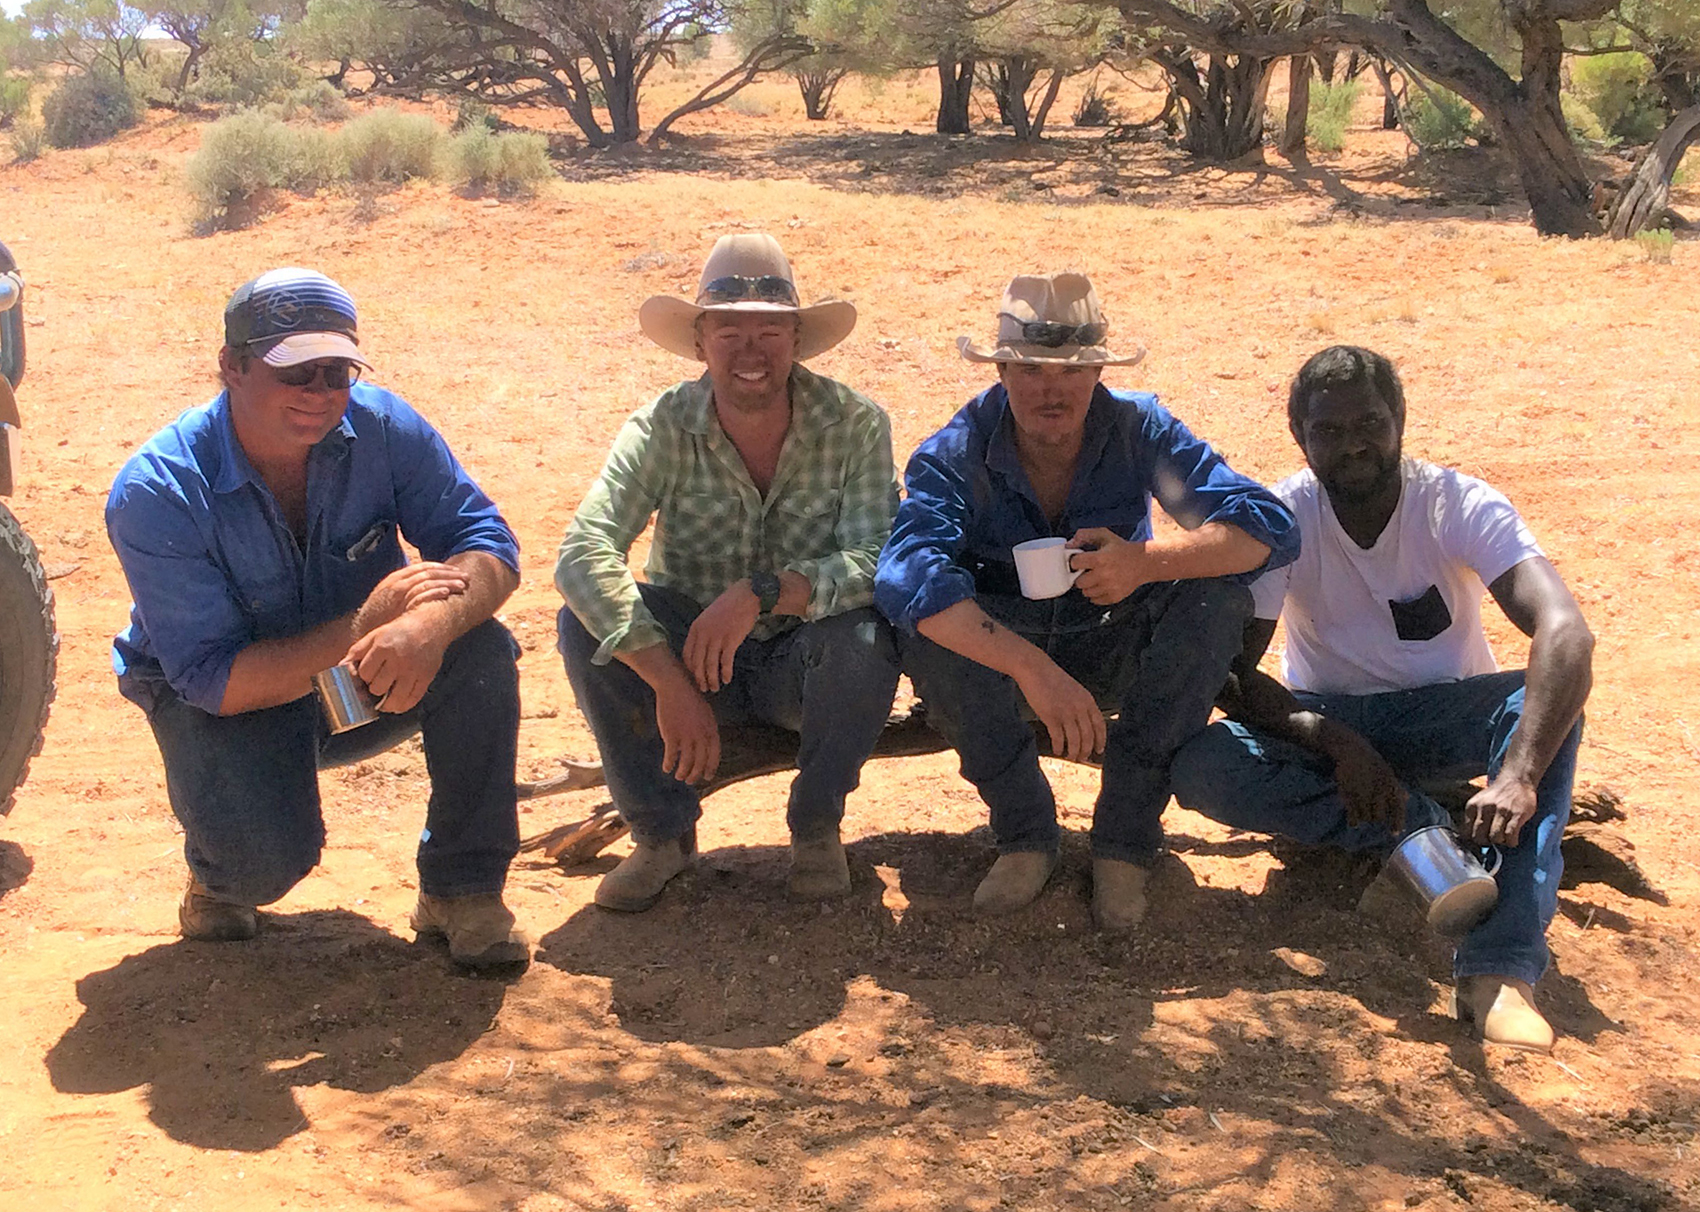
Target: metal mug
[(1453, 887), (347, 702)]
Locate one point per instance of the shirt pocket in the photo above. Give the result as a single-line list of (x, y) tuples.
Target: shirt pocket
[(804, 527), (1421, 618), (355, 561), (700, 524)]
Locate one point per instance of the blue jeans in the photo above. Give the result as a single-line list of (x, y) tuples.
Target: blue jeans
[(1158, 659), (246, 787), (1451, 731), (831, 681)]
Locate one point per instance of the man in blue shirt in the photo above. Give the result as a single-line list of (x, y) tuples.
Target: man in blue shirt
[(260, 534), (1148, 629)]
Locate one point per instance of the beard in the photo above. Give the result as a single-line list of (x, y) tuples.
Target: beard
[(1361, 481)]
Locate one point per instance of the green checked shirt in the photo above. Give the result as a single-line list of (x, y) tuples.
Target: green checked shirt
[(826, 515)]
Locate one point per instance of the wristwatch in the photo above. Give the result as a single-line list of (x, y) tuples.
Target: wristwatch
[(766, 586)]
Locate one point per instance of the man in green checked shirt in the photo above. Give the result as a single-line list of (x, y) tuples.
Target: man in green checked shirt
[(773, 490)]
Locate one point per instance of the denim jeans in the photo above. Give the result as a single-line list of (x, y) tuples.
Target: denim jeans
[(831, 681), (246, 787), (1158, 659), (1450, 731)]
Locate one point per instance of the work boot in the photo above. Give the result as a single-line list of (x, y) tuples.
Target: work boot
[(1118, 894), (479, 929), (1503, 1011), (637, 882), (1014, 880), (819, 870), (205, 918)]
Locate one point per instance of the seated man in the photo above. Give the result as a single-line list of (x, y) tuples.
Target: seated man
[(1392, 682), (260, 534), (1148, 629), (772, 490)]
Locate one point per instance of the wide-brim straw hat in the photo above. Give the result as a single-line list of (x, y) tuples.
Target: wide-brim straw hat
[(1050, 318), (743, 273)]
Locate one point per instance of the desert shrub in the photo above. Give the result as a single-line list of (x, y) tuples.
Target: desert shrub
[(28, 140), (472, 112), (1656, 245), (510, 164), (1094, 109), (1618, 91), (745, 105), (247, 153), (389, 145), (317, 99), (14, 99), (1331, 112), (1443, 120), (1583, 122), (243, 75), (87, 109)]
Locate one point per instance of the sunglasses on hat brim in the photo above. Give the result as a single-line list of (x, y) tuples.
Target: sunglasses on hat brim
[(1052, 335), (769, 288)]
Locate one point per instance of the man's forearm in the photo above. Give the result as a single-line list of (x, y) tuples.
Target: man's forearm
[(1215, 549), (1264, 703), (269, 673), (1560, 675), (489, 583), (969, 631)]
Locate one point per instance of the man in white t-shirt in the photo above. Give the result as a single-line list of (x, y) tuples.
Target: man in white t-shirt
[(1392, 683)]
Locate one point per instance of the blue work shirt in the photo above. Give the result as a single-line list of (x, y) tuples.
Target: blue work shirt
[(213, 565), (969, 500)]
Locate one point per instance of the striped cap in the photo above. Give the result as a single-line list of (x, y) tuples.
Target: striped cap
[(290, 316)]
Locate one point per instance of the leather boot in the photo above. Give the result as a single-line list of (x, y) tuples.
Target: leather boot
[(1503, 1011), (1118, 894), (202, 916), (819, 870), (1014, 880), (637, 882), (479, 929)]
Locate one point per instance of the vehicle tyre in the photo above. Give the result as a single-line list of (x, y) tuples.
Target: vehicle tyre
[(29, 651)]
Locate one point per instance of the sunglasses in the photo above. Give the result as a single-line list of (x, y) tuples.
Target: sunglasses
[(336, 376), (769, 288), (1051, 335)]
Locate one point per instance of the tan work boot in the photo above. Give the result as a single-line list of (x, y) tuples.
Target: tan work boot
[(1118, 894), (819, 870), (1503, 1011), (1014, 880), (637, 882), (479, 929), (205, 918)]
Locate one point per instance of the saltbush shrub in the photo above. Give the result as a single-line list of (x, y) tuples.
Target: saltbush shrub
[(87, 109), (1444, 120), (510, 164), (28, 140), (388, 145), (250, 152), (1331, 112)]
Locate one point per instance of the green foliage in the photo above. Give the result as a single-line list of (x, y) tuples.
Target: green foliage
[(1618, 90), (1583, 122), (1331, 112), (699, 42), (28, 140), (1688, 170), (510, 164), (244, 155), (88, 109), (14, 98), (1443, 120), (1656, 245), (472, 112), (389, 145)]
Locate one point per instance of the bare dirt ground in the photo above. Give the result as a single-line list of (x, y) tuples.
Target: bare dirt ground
[(1258, 1046)]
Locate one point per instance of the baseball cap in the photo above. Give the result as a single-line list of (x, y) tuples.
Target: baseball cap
[(289, 316)]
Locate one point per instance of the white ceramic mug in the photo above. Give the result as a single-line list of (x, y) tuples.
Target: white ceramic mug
[(1044, 568)]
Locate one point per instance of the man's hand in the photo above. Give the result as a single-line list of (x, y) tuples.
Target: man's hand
[(712, 643), (1065, 707), (398, 660), (406, 588), (1110, 566), (1498, 813), (689, 731), (1369, 788)]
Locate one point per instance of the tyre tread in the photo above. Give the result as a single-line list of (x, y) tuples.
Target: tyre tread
[(16, 545)]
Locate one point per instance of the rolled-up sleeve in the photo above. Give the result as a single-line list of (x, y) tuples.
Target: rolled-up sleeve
[(1195, 485), (844, 579), (919, 571), (591, 569), (183, 596), (442, 511)]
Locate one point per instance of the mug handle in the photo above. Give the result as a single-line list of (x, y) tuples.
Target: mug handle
[(1483, 851)]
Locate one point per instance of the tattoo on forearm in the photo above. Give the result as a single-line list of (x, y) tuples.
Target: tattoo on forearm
[(991, 628)]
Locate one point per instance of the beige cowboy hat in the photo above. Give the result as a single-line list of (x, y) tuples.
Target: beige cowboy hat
[(1050, 318), (746, 272)]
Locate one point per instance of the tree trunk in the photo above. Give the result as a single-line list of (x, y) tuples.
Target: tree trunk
[(1016, 73), (621, 89), (1325, 63), (1223, 107), (817, 86), (1531, 122), (995, 76), (956, 85), (1641, 205), (187, 73), (1298, 105), (1043, 113), (1389, 98)]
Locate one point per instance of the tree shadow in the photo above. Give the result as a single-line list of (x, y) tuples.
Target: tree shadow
[(221, 1034), (16, 866)]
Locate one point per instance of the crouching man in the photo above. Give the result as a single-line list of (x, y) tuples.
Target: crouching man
[(260, 534), (1148, 629), (1392, 682), (772, 490)]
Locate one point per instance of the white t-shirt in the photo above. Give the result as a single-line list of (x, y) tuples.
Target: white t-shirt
[(1408, 611)]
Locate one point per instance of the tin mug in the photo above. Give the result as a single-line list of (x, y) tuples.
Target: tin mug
[(347, 702), (1450, 883)]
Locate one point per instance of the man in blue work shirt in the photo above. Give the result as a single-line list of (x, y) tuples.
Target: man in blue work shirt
[(260, 534), (1148, 629)]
